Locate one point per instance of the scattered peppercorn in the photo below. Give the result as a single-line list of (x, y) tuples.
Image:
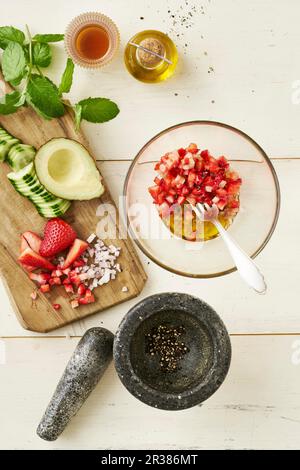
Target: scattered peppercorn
[(166, 342)]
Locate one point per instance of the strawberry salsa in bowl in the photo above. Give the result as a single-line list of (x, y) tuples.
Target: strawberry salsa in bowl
[(215, 164), (188, 176)]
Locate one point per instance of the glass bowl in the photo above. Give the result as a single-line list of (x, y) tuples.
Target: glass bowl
[(253, 225)]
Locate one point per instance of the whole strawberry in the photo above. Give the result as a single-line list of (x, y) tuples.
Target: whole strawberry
[(58, 235)]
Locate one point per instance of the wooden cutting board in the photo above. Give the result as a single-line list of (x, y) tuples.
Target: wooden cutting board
[(18, 215)]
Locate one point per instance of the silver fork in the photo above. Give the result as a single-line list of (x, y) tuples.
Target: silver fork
[(246, 267)]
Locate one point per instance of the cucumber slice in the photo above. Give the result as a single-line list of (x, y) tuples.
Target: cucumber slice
[(26, 182), (20, 155), (6, 142)]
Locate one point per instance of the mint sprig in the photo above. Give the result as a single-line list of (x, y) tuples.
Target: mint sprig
[(22, 60)]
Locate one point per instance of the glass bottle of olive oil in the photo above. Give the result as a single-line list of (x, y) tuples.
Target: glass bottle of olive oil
[(151, 56)]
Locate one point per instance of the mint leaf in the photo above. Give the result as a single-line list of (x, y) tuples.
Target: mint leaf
[(78, 111), (42, 55), (11, 102), (67, 78), (48, 37), (98, 109), (43, 95), (13, 62), (8, 34)]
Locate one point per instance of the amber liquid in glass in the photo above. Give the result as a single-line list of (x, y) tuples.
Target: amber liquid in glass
[(92, 42)]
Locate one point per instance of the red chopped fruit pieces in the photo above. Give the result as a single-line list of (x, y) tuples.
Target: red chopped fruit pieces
[(76, 250), (31, 258), (69, 289), (74, 303), (42, 278), (56, 306), (191, 175), (58, 235), (45, 288), (81, 289), (55, 281), (30, 240)]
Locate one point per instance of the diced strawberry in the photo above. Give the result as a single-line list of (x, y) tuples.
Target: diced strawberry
[(55, 281), (86, 300), (32, 258), (76, 280), (223, 163), (233, 188), (205, 154), (30, 240), (221, 204), (181, 200), (74, 303), (154, 191), (79, 263), (66, 271), (192, 148), (76, 250), (33, 295), (185, 191), (181, 152), (57, 273), (42, 278), (158, 180), (66, 281), (56, 306), (191, 179), (58, 235), (199, 164), (179, 181), (69, 289), (45, 288), (81, 289), (170, 199)]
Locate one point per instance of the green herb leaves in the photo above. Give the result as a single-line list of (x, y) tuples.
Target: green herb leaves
[(21, 58), (45, 38), (41, 54), (8, 34), (67, 78), (13, 62), (44, 95), (10, 102), (98, 109)]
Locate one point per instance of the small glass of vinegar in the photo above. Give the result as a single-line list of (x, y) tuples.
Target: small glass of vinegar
[(92, 40)]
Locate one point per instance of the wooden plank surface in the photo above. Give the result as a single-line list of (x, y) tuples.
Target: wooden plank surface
[(257, 407), (255, 65), (19, 215)]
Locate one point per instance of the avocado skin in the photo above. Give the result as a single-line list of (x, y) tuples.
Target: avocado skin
[(83, 371)]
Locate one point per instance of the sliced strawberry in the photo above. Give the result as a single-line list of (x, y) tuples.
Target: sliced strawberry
[(30, 240), (56, 306), (182, 152), (42, 278), (28, 268), (45, 288), (76, 250), (58, 235), (31, 258)]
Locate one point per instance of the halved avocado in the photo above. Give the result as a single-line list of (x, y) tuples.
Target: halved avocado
[(67, 170)]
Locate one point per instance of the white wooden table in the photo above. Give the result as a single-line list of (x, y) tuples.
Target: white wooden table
[(240, 65)]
